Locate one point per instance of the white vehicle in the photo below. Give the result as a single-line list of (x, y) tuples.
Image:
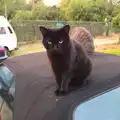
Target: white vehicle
[(8, 38)]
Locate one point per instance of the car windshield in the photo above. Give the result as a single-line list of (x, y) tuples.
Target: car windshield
[(103, 107)]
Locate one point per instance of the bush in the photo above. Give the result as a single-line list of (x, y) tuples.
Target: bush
[(116, 21), (39, 12), (53, 13), (23, 15)]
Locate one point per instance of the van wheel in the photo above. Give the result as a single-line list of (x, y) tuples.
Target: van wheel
[(7, 51)]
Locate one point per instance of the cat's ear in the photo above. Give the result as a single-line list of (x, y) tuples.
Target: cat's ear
[(66, 28), (43, 30)]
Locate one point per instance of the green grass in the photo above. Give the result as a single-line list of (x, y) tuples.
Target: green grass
[(112, 51), (28, 48), (38, 47)]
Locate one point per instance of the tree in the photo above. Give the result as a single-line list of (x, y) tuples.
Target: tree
[(116, 21), (53, 13), (39, 12), (23, 15), (64, 3), (109, 6), (12, 6), (116, 10), (87, 10), (97, 10)]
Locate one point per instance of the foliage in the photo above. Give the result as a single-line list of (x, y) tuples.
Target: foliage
[(109, 7), (72, 10), (22, 15), (26, 7), (85, 10), (96, 10), (116, 10), (12, 6), (53, 13), (39, 12), (116, 21)]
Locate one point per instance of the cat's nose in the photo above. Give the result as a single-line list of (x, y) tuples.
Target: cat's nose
[(55, 47)]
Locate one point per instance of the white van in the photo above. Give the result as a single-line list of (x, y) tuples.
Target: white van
[(8, 38)]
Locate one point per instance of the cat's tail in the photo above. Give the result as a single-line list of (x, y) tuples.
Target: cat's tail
[(84, 37)]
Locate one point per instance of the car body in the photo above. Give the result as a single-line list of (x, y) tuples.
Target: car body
[(95, 108), (8, 37), (98, 102), (8, 78)]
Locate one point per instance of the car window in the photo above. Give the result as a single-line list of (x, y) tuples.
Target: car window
[(10, 30), (2, 30), (100, 108)]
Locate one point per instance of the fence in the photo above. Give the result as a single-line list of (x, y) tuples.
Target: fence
[(29, 30)]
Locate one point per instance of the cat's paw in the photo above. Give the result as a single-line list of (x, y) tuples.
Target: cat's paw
[(63, 93), (85, 82), (60, 93)]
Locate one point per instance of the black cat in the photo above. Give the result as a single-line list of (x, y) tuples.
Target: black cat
[(69, 61)]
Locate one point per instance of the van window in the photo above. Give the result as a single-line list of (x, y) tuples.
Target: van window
[(2, 30), (10, 30)]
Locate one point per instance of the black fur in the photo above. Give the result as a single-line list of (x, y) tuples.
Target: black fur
[(69, 62)]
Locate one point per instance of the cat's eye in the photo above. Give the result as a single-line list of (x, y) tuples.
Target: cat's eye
[(49, 42), (61, 41)]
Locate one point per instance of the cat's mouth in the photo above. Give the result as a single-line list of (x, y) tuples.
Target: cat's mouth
[(55, 52)]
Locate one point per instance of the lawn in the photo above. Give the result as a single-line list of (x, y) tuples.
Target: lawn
[(109, 48), (38, 47), (112, 51), (28, 48)]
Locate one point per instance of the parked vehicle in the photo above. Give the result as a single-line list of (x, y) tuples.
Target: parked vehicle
[(8, 38), (7, 88)]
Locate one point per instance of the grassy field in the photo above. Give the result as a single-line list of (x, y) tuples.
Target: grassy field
[(111, 51), (28, 48), (109, 48), (38, 47)]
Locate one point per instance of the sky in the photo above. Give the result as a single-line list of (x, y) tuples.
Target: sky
[(51, 2)]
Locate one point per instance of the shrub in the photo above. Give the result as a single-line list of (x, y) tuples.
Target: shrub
[(116, 21), (23, 15)]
